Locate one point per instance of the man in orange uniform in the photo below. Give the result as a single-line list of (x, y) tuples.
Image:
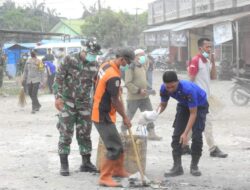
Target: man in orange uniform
[(106, 103)]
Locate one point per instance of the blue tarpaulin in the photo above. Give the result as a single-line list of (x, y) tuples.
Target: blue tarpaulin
[(14, 53)]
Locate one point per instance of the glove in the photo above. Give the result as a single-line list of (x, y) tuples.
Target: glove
[(59, 104)]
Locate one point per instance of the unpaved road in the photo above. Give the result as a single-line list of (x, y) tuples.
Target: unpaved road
[(29, 160)]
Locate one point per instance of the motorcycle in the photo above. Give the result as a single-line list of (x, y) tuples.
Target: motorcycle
[(240, 94)]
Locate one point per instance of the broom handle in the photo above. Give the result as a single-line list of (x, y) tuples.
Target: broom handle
[(135, 149), (136, 155)]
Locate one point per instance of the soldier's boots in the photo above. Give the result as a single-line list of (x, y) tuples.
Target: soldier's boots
[(218, 153), (177, 167), (152, 136), (87, 166), (64, 171), (194, 170)]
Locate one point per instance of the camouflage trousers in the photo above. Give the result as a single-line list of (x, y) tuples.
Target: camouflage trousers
[(68, 118), (1, 76)]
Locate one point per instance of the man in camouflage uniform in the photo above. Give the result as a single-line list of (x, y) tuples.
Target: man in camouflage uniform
[(72, 89), (2, 67)]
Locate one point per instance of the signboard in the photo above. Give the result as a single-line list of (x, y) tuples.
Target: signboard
[(170, 9), (222, 32), (158, 10), (179, 39), (185, 8), (164, 38), (240, 3), (202, 6), (222, 4), (150, 39)]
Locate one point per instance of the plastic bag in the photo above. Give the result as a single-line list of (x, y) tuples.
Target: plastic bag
[(141, 130), (148, 117)]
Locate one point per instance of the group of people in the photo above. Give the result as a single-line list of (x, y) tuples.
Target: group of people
[(89, 93)]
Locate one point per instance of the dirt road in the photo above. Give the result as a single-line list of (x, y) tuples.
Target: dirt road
[(29, 160)]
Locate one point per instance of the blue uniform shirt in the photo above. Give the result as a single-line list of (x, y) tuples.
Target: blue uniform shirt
[(188, 94), (51, 66)]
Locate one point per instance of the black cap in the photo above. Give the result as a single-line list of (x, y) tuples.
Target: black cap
[(126, 53), (169, 76)]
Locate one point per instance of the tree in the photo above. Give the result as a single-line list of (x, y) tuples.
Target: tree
[(114, 29), (32, 17)]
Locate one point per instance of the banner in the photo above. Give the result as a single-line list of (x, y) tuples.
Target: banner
[(222, 32), (150, 39), (179, 39)]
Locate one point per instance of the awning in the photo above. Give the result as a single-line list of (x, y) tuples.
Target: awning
[(165, 27), (202, 22), (196, 23)]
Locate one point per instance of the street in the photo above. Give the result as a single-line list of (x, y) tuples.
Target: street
[(29, 159)]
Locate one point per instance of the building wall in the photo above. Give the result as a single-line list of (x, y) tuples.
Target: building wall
[(161, 11)]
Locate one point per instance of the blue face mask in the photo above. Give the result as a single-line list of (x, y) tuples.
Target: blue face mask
[(142, 59), (205, 54), (90, 57)]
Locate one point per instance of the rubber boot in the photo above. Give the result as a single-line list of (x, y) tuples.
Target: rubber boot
[(87, 166), (106, 170), (194, 170), (119, 170), (64, 171), (177, 167), (152, 136)]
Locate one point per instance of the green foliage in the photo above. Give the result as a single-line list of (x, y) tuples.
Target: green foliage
[(114, 29), (32, 18)]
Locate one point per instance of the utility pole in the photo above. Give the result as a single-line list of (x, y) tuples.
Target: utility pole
[(136, 26), (99, 5)]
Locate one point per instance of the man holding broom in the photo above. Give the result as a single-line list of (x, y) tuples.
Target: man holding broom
[(107, 100)]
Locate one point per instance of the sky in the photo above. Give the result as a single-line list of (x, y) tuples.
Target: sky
[(73, 8)]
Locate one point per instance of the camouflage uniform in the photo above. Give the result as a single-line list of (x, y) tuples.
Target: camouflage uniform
[(73, 84), (2, 69)]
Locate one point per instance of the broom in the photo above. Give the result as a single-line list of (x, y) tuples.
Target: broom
[(21, 97)]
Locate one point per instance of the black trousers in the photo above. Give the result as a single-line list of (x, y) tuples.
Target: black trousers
[(180, 123), (33, 91), (111, 139), (51, 82)]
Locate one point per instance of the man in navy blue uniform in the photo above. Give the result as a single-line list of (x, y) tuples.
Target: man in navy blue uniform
[(191, 113)]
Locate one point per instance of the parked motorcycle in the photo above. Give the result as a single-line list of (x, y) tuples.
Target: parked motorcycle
[(240, 94)]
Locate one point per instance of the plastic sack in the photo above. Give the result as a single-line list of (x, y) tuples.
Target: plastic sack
[(148, 117), (141, 130)]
